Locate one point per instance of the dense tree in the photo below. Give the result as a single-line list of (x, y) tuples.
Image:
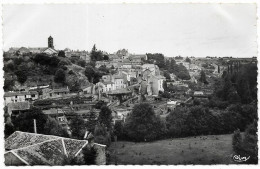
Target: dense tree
[(78, 127), (96, 55), (156, 58), (247, 146), (60, 76), (106, 57), (203, 77), (52, 127), (89, 155), (102, 135), (61, 53), (119, 130), (92, 121), (103, 69), (90, 73), (105, 117), (82, 63), (167, 75), (54, 61), (18, 61), (188, 60), (8, 84), (24, 122), (21, 76), (143, 125), (176, 122)]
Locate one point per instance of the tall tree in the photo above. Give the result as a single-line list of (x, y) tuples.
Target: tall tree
[(203, 77), (78, 127), (143, 125), (105, 117)]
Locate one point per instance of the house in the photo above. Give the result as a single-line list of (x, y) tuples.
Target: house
[(13, 97), (138, 58), (112, 82), (128, 75), (152, 67), (50, 51), (108, 86), (17, 108), (156, 83), (87, 89), (171, 105), (55, 93), (58, 114), (31, 149), (198, 93), (22, 50), (118, 81)]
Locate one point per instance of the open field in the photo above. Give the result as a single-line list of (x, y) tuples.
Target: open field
[(211, 149)]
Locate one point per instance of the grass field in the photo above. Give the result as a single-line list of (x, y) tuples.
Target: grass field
[(212, 149)]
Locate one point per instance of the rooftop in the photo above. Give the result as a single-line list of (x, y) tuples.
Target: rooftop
[(39, 149)]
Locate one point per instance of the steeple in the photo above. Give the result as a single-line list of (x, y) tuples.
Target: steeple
[(50, 42)]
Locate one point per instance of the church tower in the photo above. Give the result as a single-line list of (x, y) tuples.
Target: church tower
[(50, 42)]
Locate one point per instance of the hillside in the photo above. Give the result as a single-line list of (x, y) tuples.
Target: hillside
[(211, 149), (41, 69)]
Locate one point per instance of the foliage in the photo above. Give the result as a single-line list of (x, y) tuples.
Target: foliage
[(89, 155), (179, 70), (188, 60), (9, 129), (143, 125), (22, 73), (96, 55), (24, 121), (104, 69), (102, 135), (167, 75), (82, 63), (78, 127), (92, 74), (247, 146), (203, 77), (156, 58), (8, 84), (239, 86), (119, 130), (61, 53), (106, 57), (92, 121), (52, 127), (60, 76), (105, 117)]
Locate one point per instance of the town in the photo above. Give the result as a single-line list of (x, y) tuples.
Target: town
[(59, 101)]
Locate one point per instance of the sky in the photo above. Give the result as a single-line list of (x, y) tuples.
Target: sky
[(198, 30)]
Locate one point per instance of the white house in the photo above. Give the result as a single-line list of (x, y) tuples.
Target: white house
[(156, 83), (14, 97)]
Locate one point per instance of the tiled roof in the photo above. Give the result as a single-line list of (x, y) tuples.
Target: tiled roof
[(53, 111), (39, 149), (19, 106), (60, 90), (10, 94)]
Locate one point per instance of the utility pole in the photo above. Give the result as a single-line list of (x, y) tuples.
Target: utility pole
[(34, 124)]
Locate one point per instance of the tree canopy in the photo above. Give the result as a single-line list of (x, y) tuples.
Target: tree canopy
[(143, 125)]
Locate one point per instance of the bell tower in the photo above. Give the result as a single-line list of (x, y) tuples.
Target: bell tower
[(50, 42)]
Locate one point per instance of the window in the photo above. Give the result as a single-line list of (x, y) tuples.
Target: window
[(33, 95), (51, 94), (16, 97)]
